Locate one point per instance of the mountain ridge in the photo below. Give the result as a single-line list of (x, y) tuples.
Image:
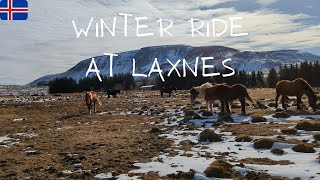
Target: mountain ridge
[(241, 60)]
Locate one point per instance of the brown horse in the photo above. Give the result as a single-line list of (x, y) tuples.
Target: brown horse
[(91, 100), (298, 88), (226, 94)]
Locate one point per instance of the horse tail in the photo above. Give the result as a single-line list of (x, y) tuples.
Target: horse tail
[(249, 98), (98, 101)]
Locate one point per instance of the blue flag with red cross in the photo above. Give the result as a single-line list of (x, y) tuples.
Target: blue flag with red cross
[(13, 9)]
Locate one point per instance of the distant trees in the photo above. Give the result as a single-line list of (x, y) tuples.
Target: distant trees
[(63, 85), (253, 79), (272, 78), (307, 70), (69, 85)]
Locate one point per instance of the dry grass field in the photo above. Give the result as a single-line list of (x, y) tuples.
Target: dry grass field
[(140, 135)]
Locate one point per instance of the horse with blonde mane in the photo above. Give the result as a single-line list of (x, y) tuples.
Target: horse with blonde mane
[(91, 100), (199, 91), (298, 88)]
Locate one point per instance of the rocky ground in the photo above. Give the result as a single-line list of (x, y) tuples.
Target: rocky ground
[(142, 136)]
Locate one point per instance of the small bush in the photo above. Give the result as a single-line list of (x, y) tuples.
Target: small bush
[(264, 143), (225, 118), (281, 115), (308, 126), (189, 112), (289, 131), (277, 151), (304, 148), (209, 135), (219, 169), (155, 130), (316, 137), (243, 138), (256, 119)]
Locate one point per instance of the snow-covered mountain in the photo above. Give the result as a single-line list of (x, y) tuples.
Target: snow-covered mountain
[(241, 60)]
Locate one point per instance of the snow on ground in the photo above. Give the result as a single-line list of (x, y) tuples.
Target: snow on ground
[(305, 164), (33, 99), (4, 138)]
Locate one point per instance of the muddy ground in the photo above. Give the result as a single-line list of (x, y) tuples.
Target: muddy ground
[(53, 136)]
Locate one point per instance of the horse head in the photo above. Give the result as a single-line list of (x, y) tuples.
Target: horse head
[(313, 101), (194, 94)]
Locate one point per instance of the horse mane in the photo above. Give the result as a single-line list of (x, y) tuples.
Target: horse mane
[(202, 89), (305, 84)]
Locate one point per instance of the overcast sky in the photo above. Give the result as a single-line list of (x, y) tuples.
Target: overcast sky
[(46, 43)]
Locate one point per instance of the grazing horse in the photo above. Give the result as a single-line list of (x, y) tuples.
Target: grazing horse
[(113, 93), (199, 91), (91, 100), (298, 88), (167, 90), (226, 94)]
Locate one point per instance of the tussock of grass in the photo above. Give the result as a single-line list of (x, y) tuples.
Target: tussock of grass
[(304, 148), (277, 151), (265, 161), (308, 126), (263, 143), (219, 169), (243, 138), (289, 131), (225, 118), (256, 119), (209, 135), (316, 137), (282, 114)]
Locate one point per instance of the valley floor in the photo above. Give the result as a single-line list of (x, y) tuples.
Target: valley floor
[(140, 135)]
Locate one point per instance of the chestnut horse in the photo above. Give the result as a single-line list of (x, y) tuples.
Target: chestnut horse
[(226, 94), (91, 100), (298, 88)]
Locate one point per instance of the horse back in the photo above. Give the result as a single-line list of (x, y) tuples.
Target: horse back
[(288, 88)]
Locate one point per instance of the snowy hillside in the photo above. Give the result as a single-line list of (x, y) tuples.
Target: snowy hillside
[(241, 60)]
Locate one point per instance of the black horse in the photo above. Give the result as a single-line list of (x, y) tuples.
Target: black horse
[(167, 90), (111, 92)]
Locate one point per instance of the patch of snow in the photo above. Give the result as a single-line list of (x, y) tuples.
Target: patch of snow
[(104, 175)]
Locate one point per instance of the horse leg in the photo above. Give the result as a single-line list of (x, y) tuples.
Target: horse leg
[(169, 94), (243, 105), (299, 102), (227, 106), (94, 107), (222, 106), (283, 101), (88, 105), (277, 98), (161, 93)]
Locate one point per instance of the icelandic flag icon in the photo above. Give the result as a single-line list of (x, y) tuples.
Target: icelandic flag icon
[(13, 9)]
